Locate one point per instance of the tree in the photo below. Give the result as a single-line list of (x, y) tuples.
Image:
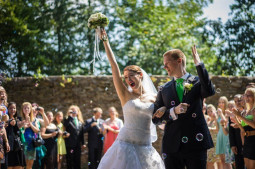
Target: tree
[(50, 35), (19, 30), (150, 28), (235, 40), (53, 35)]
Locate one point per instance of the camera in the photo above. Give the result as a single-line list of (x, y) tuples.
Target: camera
[(65, 133), (38, 109)]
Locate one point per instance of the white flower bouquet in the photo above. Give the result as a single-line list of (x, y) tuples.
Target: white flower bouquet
[(97, 21)]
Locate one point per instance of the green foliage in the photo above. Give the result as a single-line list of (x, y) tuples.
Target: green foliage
[(150, 28), (235, 40), (65, 81), (54, 36)]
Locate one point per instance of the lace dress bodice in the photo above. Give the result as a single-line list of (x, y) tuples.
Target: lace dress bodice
[(137, 115)]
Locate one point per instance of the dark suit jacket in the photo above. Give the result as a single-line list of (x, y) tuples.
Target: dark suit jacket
[(235, 138), (95, 138), (190, 124), (76, 137)]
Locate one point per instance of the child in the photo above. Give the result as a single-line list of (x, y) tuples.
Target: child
[(62, 134)]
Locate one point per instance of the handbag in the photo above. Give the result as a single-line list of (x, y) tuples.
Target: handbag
[(38, 141)]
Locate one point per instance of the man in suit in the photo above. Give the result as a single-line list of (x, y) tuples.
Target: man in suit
[(75, 140), (180, 102), (235, 137), (94, 127)]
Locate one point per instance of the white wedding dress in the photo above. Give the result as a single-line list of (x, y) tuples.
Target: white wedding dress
[(133, 148)]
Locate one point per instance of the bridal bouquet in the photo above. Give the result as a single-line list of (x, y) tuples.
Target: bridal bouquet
[(97, 21)]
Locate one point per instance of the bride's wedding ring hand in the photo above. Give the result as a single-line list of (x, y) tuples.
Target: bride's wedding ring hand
[(181, 108), (159, 113)]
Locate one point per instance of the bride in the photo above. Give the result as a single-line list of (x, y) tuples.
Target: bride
[(133, 146)]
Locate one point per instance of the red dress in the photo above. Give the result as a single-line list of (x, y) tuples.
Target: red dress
[(110, 137)]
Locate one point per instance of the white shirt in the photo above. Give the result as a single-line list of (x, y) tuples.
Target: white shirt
[(172, 114)]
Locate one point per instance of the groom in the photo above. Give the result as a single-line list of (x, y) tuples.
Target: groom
[(180, 101)]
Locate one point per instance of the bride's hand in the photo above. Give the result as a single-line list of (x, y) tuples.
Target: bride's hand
[(103, 34), (159, 113)]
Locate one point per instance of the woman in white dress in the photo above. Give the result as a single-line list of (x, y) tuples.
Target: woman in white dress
[(133, 146)]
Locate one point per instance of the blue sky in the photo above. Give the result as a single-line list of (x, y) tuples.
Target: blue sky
[(218, 9)]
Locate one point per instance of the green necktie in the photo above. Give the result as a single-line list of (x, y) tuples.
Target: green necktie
[(75, 121), (179, 88)]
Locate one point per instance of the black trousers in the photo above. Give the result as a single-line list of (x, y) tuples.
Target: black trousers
[(95, 155), (73, 157), (194, 160), (239, 161)]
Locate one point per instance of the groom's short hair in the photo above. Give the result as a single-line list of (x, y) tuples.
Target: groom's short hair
[(176, 54)]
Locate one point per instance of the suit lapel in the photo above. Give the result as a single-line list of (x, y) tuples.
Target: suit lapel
[(173, 90), (72, 123), (190, 80)]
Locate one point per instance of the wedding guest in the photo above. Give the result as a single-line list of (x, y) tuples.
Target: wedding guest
[(3, 101), (74, 125), (30, 127), (94, 127), (222, 140), (42, 121), (16, 157), (248, 127), (212, 159), (4, 118), (235, 137), (112, 127), (204, 110), (61, 142), (49, 134), (4, 143)]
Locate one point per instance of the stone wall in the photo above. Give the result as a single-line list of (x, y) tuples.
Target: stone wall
[(56, 93)]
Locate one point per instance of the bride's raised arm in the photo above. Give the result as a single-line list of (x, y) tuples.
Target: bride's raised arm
[(121, 89)]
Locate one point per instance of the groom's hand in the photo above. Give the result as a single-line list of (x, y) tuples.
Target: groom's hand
[(181, 108), (159, 113), (196, 57)]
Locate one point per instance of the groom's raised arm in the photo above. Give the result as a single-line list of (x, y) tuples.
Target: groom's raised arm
[(207, 88)]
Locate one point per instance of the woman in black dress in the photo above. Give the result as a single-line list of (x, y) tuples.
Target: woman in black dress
[(248, 128), (49, 134), (16, 157)]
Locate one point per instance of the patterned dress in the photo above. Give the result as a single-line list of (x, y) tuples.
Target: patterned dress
[(211, 153)]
